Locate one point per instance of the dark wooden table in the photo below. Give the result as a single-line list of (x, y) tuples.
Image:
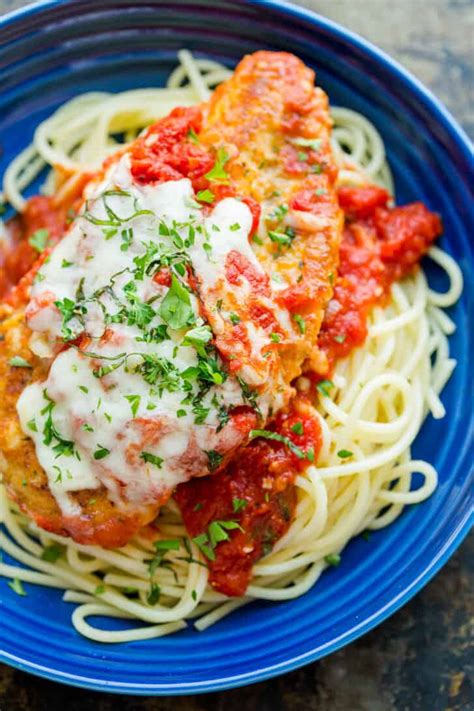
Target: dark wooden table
[(421, 659)]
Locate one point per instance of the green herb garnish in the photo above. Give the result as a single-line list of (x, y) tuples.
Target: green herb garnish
[(301, 322), (134, 401), (17, 586), (215, 459), (101, 452), (192, 136), (39, 240), (345, 454), (267, 434), (176, 309), (238, 504), (313, 143), (51, 553), (324, 386), (297, 428), (217, 173), (152, 459), (19, 362), (205, 196)]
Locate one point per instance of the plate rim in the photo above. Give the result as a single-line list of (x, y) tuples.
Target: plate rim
[(459, 136)]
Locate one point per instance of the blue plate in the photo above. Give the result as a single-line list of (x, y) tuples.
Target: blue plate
[(54, 50)]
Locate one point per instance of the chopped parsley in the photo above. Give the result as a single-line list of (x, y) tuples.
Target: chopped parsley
[(101, 452), (313, 143), (17, 586), (51, 553), (198, 337), (162, 547), (249, 396), (176, 309), (217, 532), (19, 362), (127, 238), (297, 428), (154, 594), (282, 237), (275, 337), (39, 240), (167, 545), (161, 373), (324, 386), (69, 309), (152, 459), (238, 504), (268, 434), (333, 559), (208, 371), (215, 459), (134, 401), (192, 136), (62, 447), (301, 322), (205, 196), (217, 173), (341, 338), (345, 454), (202, 542), (234, 318), (279, 212)]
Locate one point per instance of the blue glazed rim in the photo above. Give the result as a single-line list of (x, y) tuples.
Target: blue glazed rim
[(462, 143)]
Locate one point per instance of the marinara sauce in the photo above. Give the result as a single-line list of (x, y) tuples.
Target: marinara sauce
[(379, 245), (255, 494), (18, 254)]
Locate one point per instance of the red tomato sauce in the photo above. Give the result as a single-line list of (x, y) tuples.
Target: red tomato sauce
[(257, 492), (18, 255), (379, 246), (170, 150)]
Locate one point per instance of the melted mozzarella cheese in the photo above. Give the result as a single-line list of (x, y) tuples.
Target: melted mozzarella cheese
[(129, 408), (227, 230)]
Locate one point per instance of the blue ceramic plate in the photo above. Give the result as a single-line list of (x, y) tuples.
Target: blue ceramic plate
[(54, 50)]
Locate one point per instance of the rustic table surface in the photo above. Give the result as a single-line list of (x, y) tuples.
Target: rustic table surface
[(420, 659)]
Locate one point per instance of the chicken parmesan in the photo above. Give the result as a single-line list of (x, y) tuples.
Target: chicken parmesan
[(170, 320), (217, 346)]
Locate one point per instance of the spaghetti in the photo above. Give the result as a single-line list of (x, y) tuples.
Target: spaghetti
[(369, 416)]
